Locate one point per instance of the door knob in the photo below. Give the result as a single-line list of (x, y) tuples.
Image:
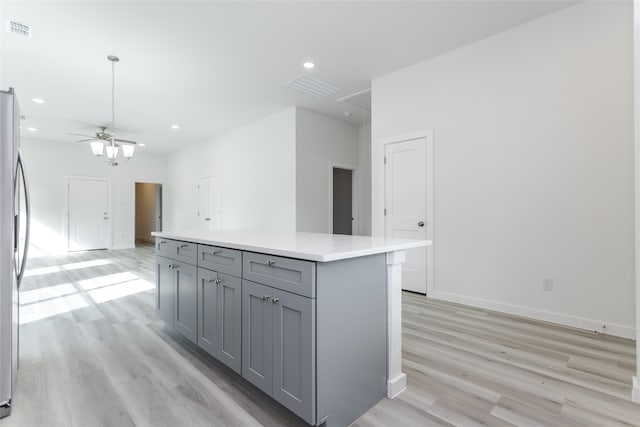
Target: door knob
[(421, 224)]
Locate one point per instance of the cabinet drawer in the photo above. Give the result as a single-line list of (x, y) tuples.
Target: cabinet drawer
[(292, 275), (175, 249), (166, 247), (224, 260)]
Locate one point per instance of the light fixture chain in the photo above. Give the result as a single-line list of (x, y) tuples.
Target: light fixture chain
[(113, 100)]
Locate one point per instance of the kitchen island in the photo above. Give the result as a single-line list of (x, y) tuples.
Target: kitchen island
[(313, 320)]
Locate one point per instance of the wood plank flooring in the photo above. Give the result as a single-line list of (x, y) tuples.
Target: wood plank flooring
[(94, 354)]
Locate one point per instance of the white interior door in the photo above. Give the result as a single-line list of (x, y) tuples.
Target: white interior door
[(88, 214), (405, 205), (210, 202)]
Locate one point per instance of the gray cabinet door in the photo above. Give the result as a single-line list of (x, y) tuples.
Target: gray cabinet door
[(164, 290), (294, 353), (257, 335), (229, 322), (208, 311), (185, 302)]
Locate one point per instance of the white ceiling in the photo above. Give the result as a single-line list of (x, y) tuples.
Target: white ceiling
[(213, 66)]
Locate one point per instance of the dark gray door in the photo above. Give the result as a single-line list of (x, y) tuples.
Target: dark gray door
[(185, 302), (229, 322), (294, 353), (164, 289), (257, 335), (158, 191), (342, 201), (208, 311)]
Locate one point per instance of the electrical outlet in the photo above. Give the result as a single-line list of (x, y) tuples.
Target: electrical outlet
[(547, 284)]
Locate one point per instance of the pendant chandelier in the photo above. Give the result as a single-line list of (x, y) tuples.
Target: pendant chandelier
[(106, 141)]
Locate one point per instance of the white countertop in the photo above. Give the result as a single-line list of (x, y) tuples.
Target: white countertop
[(310, 246)]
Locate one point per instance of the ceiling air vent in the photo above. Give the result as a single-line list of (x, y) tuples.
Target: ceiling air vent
[(311, 86), (18, 28)]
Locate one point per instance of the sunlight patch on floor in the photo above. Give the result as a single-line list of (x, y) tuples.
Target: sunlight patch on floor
[(109, 279), (53, 307), (35, 295), (120, 290), (86, 264), (43, 303), (42, 270)]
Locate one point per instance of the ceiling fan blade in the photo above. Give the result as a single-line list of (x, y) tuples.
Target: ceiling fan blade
[(87, 140), (126, 141), (81, 134)]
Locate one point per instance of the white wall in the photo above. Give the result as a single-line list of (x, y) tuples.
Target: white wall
[(49, 162), (257, 165), (533, 165), (321, 142), (364, 173)]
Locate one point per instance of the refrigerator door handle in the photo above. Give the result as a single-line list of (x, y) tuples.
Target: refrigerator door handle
[(27, 204)]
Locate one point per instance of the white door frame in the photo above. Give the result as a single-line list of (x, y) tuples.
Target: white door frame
[(354, 196), (429, 197), (65, 220)]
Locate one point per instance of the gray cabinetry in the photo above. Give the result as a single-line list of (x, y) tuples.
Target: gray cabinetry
[(296, 329), (164, 289), (177, 250), (219, 316), (185, 315), (176, 287), (292, 275), (294, 355), (257, 335), (224, 260), (278, 330)]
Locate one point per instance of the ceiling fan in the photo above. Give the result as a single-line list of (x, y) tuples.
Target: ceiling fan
[(105, 140), (102, 135)]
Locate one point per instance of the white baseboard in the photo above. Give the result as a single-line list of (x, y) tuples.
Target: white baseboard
[(534, 313), (122, 247), (396, 385), (635, 391)]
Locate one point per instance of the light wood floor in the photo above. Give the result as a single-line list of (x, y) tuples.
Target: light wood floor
[(93, 354)]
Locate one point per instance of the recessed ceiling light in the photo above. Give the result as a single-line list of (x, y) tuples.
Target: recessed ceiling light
[(309, 65), (142, 144), (38, 100), (32, 129), (175, 127)]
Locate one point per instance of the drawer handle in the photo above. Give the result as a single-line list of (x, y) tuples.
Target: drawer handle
[(162, 242), (218, 281), (184, 245), (274, 300), (265, 297), (169, 266), (212, 253), (211, 280), (270, 262), (172, 266)]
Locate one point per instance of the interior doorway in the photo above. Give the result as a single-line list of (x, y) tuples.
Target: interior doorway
[(210, 202), (148, 215), (88, 213), (343, 193), (408, 196)]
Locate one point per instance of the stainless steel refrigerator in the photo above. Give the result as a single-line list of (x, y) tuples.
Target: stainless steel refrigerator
[(14, 242)]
